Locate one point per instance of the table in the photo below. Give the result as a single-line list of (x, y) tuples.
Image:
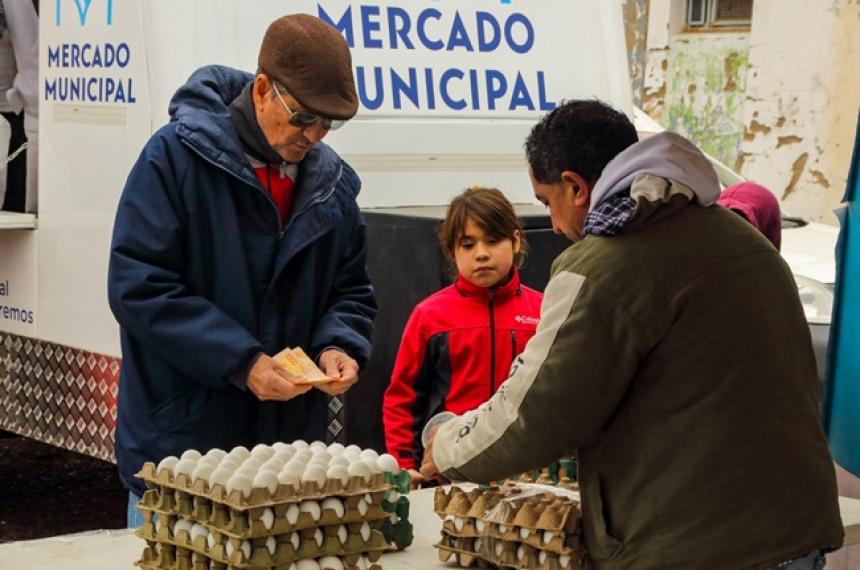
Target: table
[(118, 550)]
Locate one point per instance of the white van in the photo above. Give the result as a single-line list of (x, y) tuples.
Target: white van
[(448, 91)]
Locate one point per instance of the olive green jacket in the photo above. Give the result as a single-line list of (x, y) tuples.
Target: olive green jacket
[(675, 358)]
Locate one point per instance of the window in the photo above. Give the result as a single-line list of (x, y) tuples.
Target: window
[(719, 13)]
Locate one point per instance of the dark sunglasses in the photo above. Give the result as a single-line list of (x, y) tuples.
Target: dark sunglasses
[(303, 119)]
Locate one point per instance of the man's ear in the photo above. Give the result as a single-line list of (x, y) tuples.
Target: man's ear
[(261, 88), (580, 189)]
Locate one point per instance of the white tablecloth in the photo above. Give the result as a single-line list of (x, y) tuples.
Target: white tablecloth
[(118, 550)]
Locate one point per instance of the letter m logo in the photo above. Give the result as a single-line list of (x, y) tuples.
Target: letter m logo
[(82, 9)]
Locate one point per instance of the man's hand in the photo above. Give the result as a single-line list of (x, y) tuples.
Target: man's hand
[(416, 479), (428, 464), (268, 380), (338, 364)]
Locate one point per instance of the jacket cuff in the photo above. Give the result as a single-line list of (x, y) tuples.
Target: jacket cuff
[(330, 347), (239, 378)]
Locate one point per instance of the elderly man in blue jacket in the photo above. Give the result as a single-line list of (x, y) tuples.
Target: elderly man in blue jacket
[(238, 234)]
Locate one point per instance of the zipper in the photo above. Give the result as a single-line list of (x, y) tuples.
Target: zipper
[(513, 345), (492, 344), (322, 198)]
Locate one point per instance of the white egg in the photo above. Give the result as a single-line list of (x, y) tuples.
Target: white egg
[(321, 452), (524, 532), (317, 460), (307, 564), (253, 462), (198, 530), (335, 505), (521, 552), (318, 445), (350, 455), (185, 466), (319, 537), (207, 461), (247, 470), (479, 525), (240, 451), (312, 508), (266, 480), (342, 534), (541, 557), (499, 549), (211, 541), (478, 544), (303, 455), (365, 532), (217, 453), (368, 453), (331, 563), (372, 465), (240, 482), (392, 496), (219, 477), (267, 517), (190, 454), (295, 540), (181, 525), (342, 460), (262, 450), (229, 463), (458, 523), (548, 535), (300, 444), (352, 449), (273, 465), (315, 473), (503, 529), (363, 563), (338, 472), (363, 505), (202, 472), (245, 547), (359, 469), (285, 454), (336, 449), (292, 515), (388, 464), (272, 545), (287, 477), (564, 560), (168, 463)]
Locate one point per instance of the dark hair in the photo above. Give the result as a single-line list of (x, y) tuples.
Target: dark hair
[(492, 212), (579, 135)]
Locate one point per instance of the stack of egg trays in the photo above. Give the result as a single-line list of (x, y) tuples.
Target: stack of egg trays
[(563, 473), (517, 525), (235, 523), (396, 528)]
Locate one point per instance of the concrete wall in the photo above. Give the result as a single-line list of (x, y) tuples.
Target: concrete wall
[(636, 34), (802, 101), (707, 77)]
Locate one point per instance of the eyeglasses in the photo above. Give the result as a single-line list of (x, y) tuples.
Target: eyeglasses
[(303, 119)]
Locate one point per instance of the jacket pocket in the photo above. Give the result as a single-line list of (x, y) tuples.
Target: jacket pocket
[(603, 545), (180, 409)]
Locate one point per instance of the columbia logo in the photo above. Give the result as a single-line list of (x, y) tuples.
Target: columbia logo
[(523, 320)]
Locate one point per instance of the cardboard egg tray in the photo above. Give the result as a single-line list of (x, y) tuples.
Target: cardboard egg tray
[(515, 525), (264, 552), (162, 556), (562, 473), (249, 523), (259, 497), (396, 528)]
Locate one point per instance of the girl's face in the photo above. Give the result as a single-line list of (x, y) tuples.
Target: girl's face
[(484, 260)]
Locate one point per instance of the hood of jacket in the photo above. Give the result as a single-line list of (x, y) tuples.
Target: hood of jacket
[(201, 109), (667, 156)]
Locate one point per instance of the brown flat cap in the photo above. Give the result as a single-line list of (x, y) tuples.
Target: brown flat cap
[(312, 60)]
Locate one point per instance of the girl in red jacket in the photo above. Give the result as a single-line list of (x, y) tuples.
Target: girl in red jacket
[(460, 342)]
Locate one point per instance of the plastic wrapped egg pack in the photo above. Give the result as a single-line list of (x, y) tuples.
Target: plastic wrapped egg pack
[(516, 525), (285, 506)]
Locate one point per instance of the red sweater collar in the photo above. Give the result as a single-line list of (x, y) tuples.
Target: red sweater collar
[(500, 293)]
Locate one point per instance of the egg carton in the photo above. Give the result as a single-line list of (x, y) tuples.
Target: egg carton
[(492, 552), (257, 496), (542, 517), (158, 556), (264, 552), (263, 521), (563, 473)]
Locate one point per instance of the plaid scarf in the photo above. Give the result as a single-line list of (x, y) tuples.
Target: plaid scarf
[(610, 217)]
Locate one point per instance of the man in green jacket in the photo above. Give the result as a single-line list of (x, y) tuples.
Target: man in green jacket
[(672, 356)]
